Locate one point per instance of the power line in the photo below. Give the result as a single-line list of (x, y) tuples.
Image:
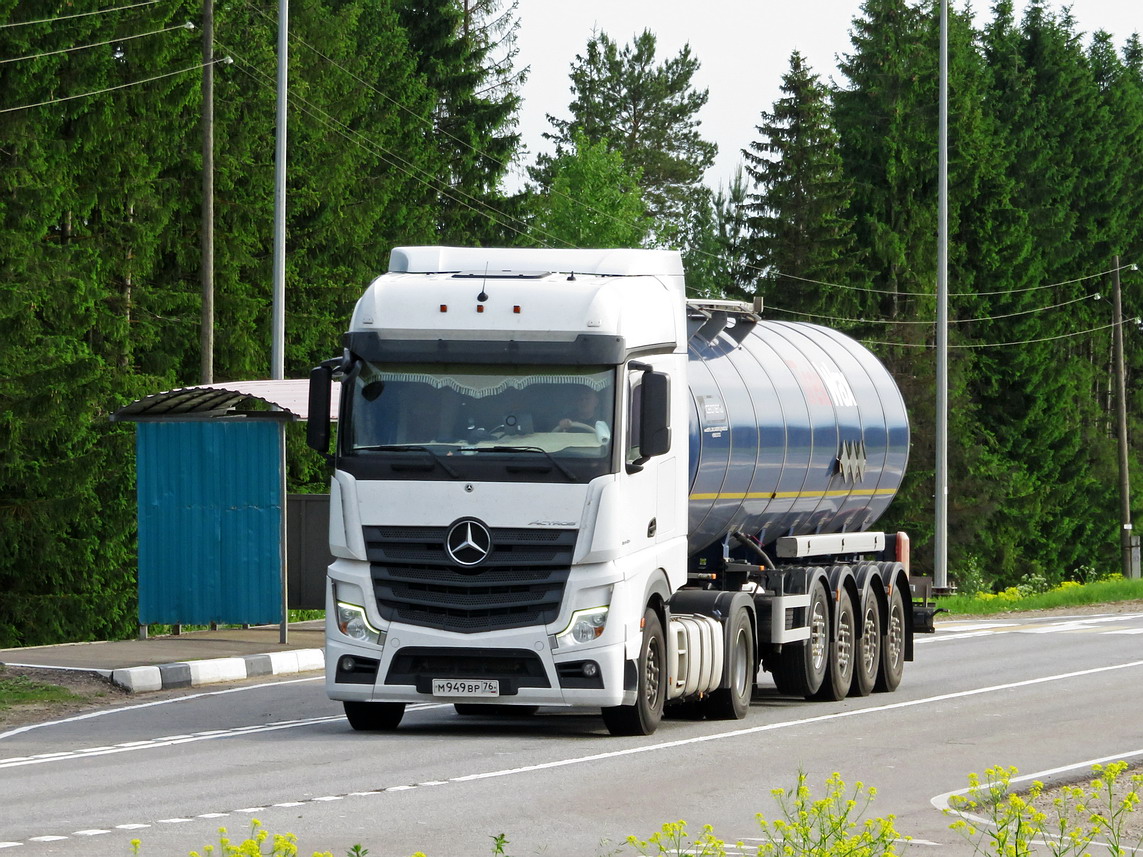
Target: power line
[(951, 294), (397, 162), (196, 67), (1072, 335), (187, 26), (928, 322), (78, 15), (510, 166)]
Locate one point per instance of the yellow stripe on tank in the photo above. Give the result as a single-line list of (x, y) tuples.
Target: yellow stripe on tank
[(792, 495)]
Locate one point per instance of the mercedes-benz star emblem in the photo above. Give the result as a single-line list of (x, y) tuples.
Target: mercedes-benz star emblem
[(468, 542)]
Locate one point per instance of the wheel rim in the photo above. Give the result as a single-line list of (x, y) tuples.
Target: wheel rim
[(740, 671), (845, 642), (870, 633), (896, 636), (819, 635), (653, 673)]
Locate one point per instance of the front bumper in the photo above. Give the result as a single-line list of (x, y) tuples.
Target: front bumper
[(523, 662)]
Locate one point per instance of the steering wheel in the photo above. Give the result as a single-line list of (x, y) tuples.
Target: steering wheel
[(573, 425)]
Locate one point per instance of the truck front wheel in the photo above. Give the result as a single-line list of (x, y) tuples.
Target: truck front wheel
[(643, 717), (732, 703), (374, 716)]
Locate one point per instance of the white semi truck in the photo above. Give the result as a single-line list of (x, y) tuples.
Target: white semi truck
[(558, 482)]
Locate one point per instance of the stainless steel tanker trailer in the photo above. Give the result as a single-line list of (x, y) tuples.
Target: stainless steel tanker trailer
[(557, 482)]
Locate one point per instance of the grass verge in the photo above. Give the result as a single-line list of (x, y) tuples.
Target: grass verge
[(23, 690), (1068, 594)]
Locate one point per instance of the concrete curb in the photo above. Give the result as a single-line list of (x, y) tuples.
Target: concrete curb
[(216, 670)]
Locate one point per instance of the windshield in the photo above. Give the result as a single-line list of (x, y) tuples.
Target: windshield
[(493, 422)]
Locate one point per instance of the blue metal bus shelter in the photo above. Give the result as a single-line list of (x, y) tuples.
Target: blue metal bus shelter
[(211, 489)]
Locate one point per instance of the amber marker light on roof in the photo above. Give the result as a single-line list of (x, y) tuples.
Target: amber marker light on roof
[(444, 307), (516, 309), (480, 307)]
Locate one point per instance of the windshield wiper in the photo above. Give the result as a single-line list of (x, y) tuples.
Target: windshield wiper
[(555, 461), (406, 447)]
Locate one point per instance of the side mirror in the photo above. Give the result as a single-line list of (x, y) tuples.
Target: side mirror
[(318, 425), (655, 422)]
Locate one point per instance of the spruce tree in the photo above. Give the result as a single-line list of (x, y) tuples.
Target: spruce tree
[(800, 235), (464, 54)]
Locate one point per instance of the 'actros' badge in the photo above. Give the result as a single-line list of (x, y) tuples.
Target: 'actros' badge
[(468, 542)]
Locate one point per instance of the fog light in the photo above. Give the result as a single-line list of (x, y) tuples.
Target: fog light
[(591, 669)]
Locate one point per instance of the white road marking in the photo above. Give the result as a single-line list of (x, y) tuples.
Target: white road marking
[(128, 708), (174, 740), (947, 631), (131, 746)]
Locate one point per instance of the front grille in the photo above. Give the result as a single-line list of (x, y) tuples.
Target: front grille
[(520, 583), (512, 668)]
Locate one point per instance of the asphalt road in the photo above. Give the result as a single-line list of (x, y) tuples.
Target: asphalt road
[(1040, 694)]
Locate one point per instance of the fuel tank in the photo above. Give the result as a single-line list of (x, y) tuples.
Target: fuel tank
[(795, 429)]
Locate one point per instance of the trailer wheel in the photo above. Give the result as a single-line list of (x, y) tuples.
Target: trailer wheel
[(732, 703), (839, 675), (868, 659), (374, 716), (802, 665), (892, 665), (643, 717)]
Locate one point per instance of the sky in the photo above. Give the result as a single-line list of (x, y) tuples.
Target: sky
[(743, 46)]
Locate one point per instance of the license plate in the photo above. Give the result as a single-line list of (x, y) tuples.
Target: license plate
[(465, 687)]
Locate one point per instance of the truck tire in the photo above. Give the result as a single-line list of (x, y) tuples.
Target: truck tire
[(374, 716), (802, 665), (867, 661), (839, 674), (732, 702), (643, 717), (892, 665)]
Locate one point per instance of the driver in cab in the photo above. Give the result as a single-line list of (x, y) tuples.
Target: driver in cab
[(583, 413)]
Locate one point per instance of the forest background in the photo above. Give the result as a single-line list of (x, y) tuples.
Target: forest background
[(402, 131)]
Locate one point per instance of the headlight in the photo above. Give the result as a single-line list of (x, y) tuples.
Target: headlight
[(585, 626), (352, 623)]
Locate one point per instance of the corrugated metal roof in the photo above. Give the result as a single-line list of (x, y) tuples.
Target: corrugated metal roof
[(220, 400)]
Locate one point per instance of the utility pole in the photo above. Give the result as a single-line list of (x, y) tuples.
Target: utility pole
[(1130, 569), (941, 525), (206, 331), (278, 309), (278, 306)]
